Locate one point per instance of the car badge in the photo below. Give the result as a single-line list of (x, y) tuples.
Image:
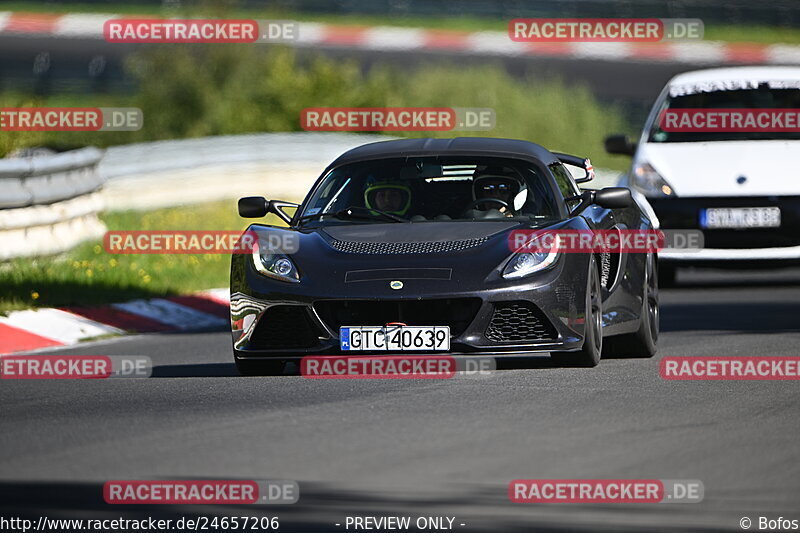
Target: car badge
[(741, 179), (396, 285)]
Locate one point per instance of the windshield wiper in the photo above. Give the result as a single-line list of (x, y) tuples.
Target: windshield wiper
[(355, 212)]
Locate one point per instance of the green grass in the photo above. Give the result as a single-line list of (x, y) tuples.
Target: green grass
[(88, 275), (713, 32), (752, 34)]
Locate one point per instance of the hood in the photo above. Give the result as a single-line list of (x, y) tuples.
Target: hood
[(433, 253), (713, 168), (355, 261)]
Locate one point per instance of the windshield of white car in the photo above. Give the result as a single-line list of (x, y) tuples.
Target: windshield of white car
[(432, 189), (761, 98)]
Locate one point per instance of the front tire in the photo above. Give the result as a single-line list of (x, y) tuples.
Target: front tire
[(589, 355)]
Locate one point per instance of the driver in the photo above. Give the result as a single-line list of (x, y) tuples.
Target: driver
[(388, 196), (509, 190)]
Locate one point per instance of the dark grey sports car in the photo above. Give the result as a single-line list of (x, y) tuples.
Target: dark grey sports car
[(403, 246)]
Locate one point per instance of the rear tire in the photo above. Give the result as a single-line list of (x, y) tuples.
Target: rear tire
[(256, 367), (589, 355), (643, 342)]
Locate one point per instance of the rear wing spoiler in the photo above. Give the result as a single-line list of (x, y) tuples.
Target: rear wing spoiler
[(580, 162)]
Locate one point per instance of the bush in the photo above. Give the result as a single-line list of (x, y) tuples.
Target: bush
[(201, 90)]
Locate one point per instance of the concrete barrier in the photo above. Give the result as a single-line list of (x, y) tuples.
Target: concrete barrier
[(49, 202)]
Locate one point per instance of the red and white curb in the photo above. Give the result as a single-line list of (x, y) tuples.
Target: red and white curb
[(493, 43), (45, 328)]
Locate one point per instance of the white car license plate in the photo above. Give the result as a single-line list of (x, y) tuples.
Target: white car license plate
[(740, 217), (394, 338)]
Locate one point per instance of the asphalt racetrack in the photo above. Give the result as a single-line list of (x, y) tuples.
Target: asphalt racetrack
[(431, 447)]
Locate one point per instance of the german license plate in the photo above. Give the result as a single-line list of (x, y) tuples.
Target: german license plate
[(740, 217), (394, 338)]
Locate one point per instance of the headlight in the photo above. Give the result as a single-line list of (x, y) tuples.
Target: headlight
[(525, 263), (645, 178), (277, 266)]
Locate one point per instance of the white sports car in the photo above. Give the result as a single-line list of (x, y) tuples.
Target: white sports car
[(741, 188)]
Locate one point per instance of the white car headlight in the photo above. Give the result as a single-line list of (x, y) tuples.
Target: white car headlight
[(277, 266), (646, 179), (525, 263)]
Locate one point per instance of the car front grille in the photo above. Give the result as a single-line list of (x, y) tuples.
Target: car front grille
[(519, 322), (284, 327), (430, 247), (457, 313)]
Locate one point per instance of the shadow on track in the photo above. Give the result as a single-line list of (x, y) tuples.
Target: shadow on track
[(708, 278), (208, 370), (201, 370), (732, 317)]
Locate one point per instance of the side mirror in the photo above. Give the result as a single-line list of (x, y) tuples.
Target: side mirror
[(614, 198), (253, 207), (620, 145), (259, 207)]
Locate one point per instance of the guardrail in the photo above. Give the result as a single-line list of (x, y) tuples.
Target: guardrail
[(49, 202), (187, 171)]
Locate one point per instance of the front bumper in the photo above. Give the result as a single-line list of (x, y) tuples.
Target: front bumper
[(542, 313), (770, 246)]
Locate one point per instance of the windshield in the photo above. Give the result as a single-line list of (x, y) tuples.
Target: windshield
[(761, 97), (431, 189)]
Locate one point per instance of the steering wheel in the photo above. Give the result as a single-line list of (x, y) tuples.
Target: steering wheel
[(480, 201)]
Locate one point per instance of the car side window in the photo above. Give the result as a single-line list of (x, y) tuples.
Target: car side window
[(565, 184)]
